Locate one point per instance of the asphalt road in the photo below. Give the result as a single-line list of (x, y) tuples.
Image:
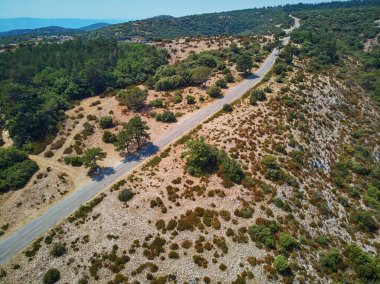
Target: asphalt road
[(21, 238)]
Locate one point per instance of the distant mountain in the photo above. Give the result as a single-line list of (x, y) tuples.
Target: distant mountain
[(34, 23), (94, 27), (53, 30)]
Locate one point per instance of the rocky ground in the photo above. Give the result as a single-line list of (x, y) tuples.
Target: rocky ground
[(183, 229)]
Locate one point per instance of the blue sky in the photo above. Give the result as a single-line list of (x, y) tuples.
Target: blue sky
[(125, 9)]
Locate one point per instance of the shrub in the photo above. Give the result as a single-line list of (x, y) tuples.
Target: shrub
[(51, 276), (15, 169), (331, 259), (106, 122), (214, 91), (166, 116), (201, 158), (280, 263), (363, 219), (125, 195), (190, 100), (58, 249), (133, 97), (73, 161), (200, 75), (109, 137), (256, 96), (229, 168), (169, 83), (157, 103), (222, 83), (365, 265), (227, 108), (287, 242), (229, 78), (263, 233)]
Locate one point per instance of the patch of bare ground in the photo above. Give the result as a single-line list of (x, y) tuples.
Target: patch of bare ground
[(196, 230), (72, 139)]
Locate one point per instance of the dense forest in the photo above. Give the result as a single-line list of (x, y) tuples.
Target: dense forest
[(331, 36), (38, 83), (257, 21)]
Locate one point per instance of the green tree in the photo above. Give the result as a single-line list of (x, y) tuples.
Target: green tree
[(200, 75), (138, 130), (201, 158), (133, 97), (244, 63), (123, 140), (91, 157)]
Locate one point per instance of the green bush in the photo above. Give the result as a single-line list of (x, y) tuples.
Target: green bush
[(200, 75), (52, 276), (229, 78), (133, 97), (169, 83), (157, 103), (364, 220), (287, 242), (365, 265), (257, 96), (201, 158), (331, 259), (280, 263), (106, 122), (166, 116), (58, 249), (75, 161), (214, 91), (263, 233), (227, 108), (222, 83), (125, 195), (190, 100), (109, 137), (15, 169), (229, 168)]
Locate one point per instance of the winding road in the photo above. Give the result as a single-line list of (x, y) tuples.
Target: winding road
[(21, 238)]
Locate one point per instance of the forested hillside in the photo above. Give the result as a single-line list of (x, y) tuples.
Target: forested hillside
[(258, 21), (330, 36), (38, 83)]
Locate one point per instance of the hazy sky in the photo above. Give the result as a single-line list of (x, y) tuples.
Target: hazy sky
[(126, 9)]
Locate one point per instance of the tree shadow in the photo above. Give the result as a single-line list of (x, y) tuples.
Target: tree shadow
[(102, 173), (148, 150), (252, 76)]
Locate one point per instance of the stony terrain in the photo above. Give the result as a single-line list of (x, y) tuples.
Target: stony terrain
[(294, 148)]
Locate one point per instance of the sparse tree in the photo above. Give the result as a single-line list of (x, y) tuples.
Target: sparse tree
[(133, 97), (91, 157), (244, 63)]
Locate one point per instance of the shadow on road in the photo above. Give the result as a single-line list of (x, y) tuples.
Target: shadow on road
[(148, 150), (252, 76), (102, 173)]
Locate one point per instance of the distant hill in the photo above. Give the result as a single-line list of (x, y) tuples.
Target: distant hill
[(94, 27), (35, 23), (53, 30), (258, 20)]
